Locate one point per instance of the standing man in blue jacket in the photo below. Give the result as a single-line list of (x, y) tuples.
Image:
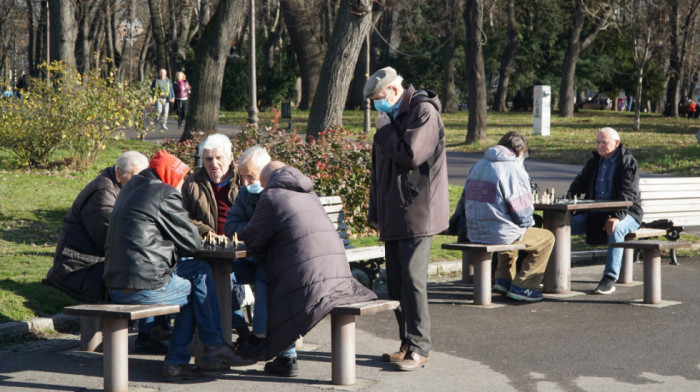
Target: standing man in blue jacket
[(408, 201), (498, 207)]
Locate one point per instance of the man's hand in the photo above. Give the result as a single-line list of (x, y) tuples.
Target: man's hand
[(382, 120), (610, 225)]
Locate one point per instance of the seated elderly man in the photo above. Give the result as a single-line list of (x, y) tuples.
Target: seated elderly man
[(209, 193), (498, 208), (250, 164), (78, 264), (308, 272), (148, 230), (610, 174)]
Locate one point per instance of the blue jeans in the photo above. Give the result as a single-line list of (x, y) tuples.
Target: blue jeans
[(189, 287), (246, 271), (622, 228)]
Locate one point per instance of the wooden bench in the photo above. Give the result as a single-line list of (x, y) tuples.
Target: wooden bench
[(115, 330), (669, 203), (343, 337), (367, 259), (478, 257), (652, 264)]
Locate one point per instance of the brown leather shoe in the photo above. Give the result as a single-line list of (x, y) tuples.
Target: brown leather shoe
[(412, 361), (225, 354), (395, 356), (181, 372)]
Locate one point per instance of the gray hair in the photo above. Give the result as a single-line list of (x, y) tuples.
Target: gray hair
[(131, 162), (613, 133), (256, 155), (214, 141), (396, 82)]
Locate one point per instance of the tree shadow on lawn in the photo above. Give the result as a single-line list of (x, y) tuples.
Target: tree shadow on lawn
[(41, 300), (40, 230)]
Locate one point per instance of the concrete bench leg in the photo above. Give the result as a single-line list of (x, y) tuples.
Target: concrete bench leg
[(482, 277), (652, 276), (90, 333), (116, 355), (627, 266), (467, 268), (343, 349)]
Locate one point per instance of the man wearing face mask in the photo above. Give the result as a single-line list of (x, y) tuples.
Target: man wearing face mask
[(498, 207), (408, 201)]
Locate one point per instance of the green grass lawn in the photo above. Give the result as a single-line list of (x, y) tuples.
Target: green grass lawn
[(32, 203)]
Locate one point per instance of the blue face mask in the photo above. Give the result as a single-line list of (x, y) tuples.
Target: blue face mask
[(383, 106), (254, 188)]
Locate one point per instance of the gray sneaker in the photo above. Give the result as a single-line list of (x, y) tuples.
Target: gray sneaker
[(606, 285)]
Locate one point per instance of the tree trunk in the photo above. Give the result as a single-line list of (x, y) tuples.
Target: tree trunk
[(351, 27), (476, 125), (574, 48), (449, 103), (638, 100), (508, 59), (211, 54), (63, 30), (305, 35), (182, 17), (31, 42), (41, 47), (679, 38), (158, 23), (143, 54)]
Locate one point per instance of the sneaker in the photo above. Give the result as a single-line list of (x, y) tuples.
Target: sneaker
[(283, 367), (252, 347), (181, 372), (144, 344), (164, 126), (225, 354), (519, 294), (502, 286), (606, 285)]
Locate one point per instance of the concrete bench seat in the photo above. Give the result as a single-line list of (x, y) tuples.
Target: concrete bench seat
[(115, 330), (477, 258), (652, 263), (343, 336)]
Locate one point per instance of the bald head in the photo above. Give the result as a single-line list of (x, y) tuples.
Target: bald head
[(268, 170)]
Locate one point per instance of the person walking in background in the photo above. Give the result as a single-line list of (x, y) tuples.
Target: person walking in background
[(182, 91), (408, 202), (163, 96)]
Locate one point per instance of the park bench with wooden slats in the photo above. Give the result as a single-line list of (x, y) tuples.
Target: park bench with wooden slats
[(367, 259), (476, 260), (115, 332), (669, 204)]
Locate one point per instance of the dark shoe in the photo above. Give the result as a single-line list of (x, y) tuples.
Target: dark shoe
[(225, 354), (160, 333), (395, 356), (528, 295), (147, 345), (501, 286), (283, 367), (606, 285), (252, 347), (181, 372), (412, 361)]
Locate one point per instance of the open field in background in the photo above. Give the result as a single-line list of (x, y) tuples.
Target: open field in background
[(32, 204), (663, 145)]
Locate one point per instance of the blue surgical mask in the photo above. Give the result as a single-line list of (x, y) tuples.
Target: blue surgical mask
[(254, 188), (383, 106)]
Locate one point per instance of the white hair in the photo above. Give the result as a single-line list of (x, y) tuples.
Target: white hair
[(256, 155), (613, 133), (214, 141), (131, 162), (396, 82)]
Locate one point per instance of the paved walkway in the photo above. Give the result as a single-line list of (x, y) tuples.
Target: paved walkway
[(581, 343)]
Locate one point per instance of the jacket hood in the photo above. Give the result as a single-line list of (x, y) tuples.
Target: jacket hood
[(291, 179), (417, 97), (500, 154)]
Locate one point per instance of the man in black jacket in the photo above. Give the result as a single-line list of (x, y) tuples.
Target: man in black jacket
[(611, 174), (148, 231)]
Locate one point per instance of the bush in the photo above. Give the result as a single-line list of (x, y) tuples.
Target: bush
[(338, 162), (78, 112)]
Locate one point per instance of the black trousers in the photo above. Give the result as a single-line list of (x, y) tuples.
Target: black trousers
[(181, 106), (407, 280)]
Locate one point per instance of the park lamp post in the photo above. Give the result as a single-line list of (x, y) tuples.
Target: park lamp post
[(252, 108), (130, 31)]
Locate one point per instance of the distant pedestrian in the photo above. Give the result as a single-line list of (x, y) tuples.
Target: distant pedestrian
[(692, 109), (163, 96), (182, 93)]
